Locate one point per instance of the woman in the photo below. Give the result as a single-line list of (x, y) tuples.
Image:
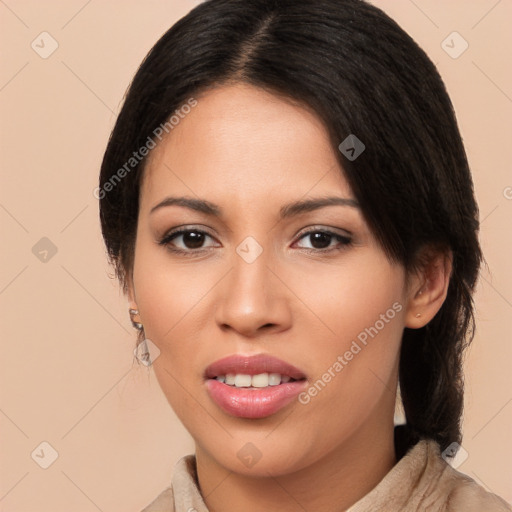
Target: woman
[(287, 203)]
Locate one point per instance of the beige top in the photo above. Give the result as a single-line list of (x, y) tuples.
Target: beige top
[(419, 481)]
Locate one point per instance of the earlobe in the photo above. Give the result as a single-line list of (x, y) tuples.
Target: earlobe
[(429, 290), (135, 319)]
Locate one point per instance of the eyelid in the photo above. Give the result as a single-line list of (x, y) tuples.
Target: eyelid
[(319, 227)]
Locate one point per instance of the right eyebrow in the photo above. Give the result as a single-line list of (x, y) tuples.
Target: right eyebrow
[(199, 205)]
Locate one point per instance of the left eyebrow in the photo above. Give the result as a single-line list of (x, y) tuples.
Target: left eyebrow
[(308, 205)]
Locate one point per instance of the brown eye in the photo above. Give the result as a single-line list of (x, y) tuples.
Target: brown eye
[(193, 239), (186, 240), (321, 240)]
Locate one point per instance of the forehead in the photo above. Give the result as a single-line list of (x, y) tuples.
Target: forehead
[(244, 141)]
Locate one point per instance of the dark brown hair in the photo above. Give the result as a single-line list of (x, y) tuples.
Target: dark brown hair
[(362, 74)]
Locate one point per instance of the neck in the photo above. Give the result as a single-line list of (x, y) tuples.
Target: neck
[(333, 482)]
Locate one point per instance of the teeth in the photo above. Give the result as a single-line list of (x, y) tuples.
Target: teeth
[(243, 381), (274, 379), (261, 380)]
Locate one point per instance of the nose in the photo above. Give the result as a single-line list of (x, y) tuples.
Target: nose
[(253, 299)]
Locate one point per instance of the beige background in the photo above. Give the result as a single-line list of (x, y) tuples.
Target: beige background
[(66, 368)]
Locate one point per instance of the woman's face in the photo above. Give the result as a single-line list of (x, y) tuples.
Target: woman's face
[(305, 289)]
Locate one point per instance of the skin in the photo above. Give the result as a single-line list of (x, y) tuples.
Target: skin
[(250, 153)]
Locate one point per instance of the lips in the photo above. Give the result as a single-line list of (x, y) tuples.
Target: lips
[(252, 365), (253, 386)]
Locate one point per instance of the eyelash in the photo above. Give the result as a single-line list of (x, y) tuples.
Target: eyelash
[(344, 241)]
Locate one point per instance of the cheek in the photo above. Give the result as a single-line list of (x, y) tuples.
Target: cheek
[(348, 298), (169, 299), (166, 297), (359, 311), (166, 290)]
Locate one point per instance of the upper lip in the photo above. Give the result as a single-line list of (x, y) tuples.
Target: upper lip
[(252, 365)]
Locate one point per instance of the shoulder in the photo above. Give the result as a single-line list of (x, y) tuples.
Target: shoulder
[(164, 502), (466, 494), (461, 492), (422, 480), (183, 494)]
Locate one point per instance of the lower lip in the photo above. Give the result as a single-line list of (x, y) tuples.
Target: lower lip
[(253, 402)]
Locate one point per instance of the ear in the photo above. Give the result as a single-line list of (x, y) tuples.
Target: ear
[(428, 287)]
